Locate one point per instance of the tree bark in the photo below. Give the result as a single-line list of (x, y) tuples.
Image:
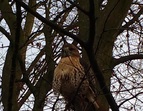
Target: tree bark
[(108, 22), (12, 70)]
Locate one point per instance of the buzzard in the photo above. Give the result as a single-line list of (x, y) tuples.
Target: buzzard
[(70, 78)]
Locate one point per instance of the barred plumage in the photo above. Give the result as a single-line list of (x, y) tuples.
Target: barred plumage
[(69, 76)]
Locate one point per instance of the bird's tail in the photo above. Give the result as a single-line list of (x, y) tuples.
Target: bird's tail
[(92, 98)]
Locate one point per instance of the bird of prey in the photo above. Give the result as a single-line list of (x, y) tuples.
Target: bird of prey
[(70, 78)]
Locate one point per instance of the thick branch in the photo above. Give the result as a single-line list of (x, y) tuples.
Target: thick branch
[(126, 58), (23, 99), (8, 15), (101, 79), (75, 4), (2, 30), (100, 2), (29, 18), (91, 23), (14, 58)]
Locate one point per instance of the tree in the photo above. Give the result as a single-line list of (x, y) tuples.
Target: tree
[(108, 32)]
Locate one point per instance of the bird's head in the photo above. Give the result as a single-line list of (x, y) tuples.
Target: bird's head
[(70, 50)]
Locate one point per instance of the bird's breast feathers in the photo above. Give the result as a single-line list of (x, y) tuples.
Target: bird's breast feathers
[(68, 66)]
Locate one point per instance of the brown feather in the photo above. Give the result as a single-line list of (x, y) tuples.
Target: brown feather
[(69, 76)]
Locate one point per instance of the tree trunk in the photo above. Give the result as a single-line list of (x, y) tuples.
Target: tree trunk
[(106, 31)]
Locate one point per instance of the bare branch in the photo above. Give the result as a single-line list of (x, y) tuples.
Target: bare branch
[(50, 23), (130, 98), (5, 33), (101, 80), (135, 18), (126, 58), (75, 4)]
